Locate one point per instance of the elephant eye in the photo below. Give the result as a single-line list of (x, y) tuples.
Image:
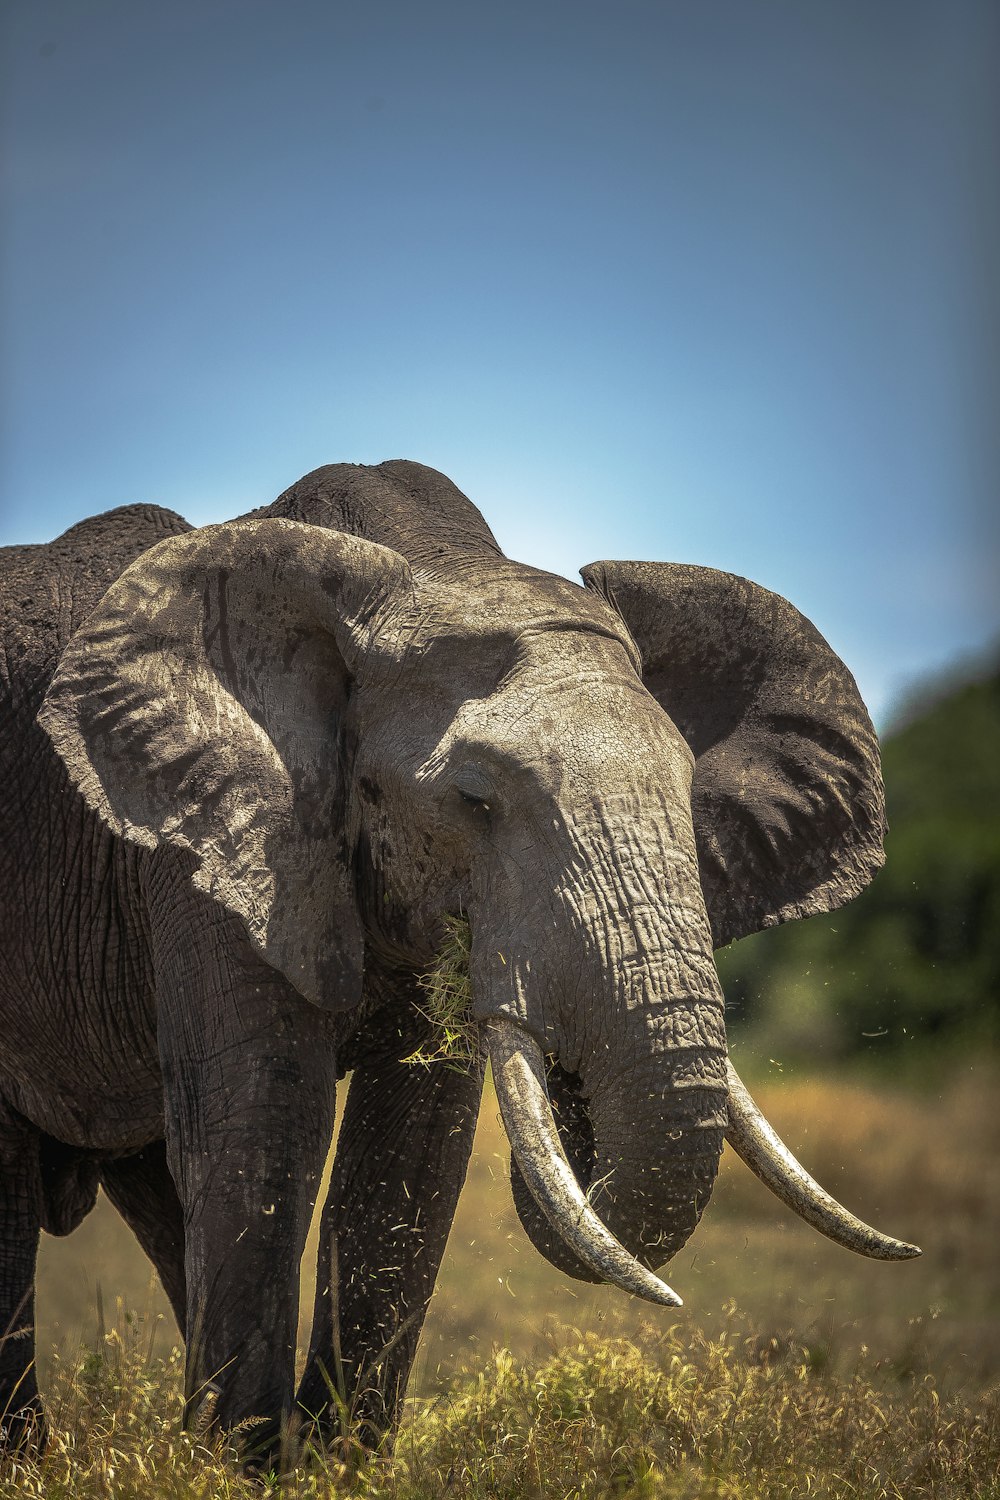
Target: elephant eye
[(473, 801)]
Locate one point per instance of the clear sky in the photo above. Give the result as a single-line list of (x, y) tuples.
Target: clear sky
[(712, 282)]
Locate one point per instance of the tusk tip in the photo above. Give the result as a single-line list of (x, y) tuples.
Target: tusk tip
[(755, 1140), (650, 1287), (881, 1247)]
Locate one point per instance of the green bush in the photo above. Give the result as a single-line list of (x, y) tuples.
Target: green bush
[(917, 955)]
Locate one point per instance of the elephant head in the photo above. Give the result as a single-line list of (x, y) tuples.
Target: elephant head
[(360, 718)]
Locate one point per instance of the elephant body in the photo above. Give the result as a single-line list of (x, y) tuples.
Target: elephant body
[(247, 774)]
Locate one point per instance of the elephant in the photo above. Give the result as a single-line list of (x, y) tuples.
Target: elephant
[(250, 771)]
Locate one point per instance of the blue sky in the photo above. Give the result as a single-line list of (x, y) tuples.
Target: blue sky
[(708, 282)]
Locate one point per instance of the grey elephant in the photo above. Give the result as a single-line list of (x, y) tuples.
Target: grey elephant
[(249, 772)]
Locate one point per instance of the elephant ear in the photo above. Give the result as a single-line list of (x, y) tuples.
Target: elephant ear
[(787, 792), (202, 705)]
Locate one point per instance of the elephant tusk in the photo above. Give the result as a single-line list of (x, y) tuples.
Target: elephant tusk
[(767, 1156), (519, 1077)]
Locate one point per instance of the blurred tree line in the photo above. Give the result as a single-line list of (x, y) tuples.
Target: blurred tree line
[(916, 958)]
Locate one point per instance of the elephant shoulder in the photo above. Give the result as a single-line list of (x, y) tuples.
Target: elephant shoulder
[(91, 555), (48, 590)]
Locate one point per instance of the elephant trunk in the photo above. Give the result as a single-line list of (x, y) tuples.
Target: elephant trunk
[(652, 1178), (540, 1164), (643, 1143), (631, 1020)]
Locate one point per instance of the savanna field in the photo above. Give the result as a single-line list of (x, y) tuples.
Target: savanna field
[(794, 1369)]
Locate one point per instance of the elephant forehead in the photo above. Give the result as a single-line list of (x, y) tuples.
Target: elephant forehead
[(514, 601), (571, 702)]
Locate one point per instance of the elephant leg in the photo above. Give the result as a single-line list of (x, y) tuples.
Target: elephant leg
[(143, 1191), (20, 1225), (250, 1090), (402, 1155)]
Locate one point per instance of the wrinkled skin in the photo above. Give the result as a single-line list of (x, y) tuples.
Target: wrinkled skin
[(276, 754)]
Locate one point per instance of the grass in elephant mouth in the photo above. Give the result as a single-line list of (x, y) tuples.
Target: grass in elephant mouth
[(835, 1376), (454, 1036)]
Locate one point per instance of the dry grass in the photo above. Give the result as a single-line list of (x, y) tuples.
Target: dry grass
[(919, 1165), (673, 1415), (794, 1368)]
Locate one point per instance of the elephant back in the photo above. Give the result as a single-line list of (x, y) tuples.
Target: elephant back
[(48, 590)]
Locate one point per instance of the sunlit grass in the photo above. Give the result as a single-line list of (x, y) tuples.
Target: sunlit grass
[(922, 1166), (682, 1415), (835, 1376), (671, 1414)]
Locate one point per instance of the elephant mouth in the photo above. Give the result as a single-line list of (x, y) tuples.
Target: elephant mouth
[(562, 1189)]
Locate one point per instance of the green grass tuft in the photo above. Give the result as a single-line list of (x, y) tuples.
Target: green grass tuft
[(454, 1038)]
